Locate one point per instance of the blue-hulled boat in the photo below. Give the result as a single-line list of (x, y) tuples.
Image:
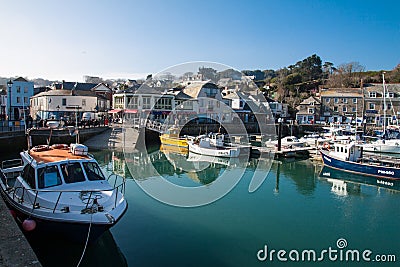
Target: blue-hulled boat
[(349, 157)]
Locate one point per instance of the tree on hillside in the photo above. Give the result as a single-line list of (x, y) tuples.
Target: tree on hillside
[(208, 73), (394, 75), (346, 75)]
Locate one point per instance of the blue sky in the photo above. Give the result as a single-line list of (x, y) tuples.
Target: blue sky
[(69, 39)]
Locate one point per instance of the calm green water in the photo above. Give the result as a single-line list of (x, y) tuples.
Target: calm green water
[(294, 209)]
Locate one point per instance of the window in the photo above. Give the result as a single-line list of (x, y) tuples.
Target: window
[(345, 100), (344, 109), (64, 101), (335, 109), (93, 171), (355, 100), (311, 103), (72, 172), (146, 103), (133, 102), (371, 105), (25, 100), (164, 103), (372, 94), (48, 177), (18, 99), (25, 89), (18, 89), (83, 102), (310, 111), (353, 109), (389, 95), (327, 100), (28, 174), (210, 92), (336, 100)]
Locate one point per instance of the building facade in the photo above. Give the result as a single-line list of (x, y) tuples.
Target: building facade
[(309, 111), (18, 96), (341, 105)]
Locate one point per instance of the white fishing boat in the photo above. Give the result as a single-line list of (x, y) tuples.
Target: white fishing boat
[(212, 145), (313, 140), (61, 188), (287, 142)]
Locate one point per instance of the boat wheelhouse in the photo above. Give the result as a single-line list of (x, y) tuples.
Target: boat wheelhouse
[(62, 188)]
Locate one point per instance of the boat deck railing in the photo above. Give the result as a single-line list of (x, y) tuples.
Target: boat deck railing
[(88, 196)]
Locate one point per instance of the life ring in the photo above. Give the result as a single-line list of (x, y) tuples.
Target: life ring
[(60, 146), (326, 146), (40, 148)]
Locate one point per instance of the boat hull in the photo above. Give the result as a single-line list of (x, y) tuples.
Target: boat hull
[(170, 141), (386, 173), (75, 231), (214, 152)]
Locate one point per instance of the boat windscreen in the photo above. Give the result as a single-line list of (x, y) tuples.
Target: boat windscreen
[(93, 171), (72, 172)]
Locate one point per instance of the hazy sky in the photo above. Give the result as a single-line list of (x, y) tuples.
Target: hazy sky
[(68, 39)]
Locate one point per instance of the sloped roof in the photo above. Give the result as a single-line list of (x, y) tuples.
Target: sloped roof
[(311, 99), (341, 92), (62, 92), (20, 79), (194, 88), (75, 86), (378, 87)]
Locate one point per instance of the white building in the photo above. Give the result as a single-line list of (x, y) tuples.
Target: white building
[(146, 102), (63, 104)]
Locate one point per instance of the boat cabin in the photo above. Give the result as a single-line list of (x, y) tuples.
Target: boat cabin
[(346, 151), (51, 167)]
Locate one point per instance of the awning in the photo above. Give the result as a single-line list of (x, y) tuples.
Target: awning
[(133, 111), (114, 111)]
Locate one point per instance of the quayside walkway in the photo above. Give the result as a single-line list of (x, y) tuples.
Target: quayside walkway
[(14, 248)]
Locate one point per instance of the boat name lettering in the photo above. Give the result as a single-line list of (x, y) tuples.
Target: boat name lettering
[(384, 182), (328, 159), (326, 174), (386, 172)]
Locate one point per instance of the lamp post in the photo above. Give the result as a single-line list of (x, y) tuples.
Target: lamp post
[(58, 112), (9, 84)]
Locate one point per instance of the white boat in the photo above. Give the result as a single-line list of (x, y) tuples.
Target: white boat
[(383, 146), (314, 140), (212, 145), (62, 188), (287, 142)]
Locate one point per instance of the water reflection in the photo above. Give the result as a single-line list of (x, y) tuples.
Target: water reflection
[(345, 183), (55, 251)]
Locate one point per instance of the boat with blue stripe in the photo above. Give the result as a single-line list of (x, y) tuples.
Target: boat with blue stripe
[(350, 157)]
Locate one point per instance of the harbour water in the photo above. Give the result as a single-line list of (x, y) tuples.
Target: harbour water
[(294, 210)]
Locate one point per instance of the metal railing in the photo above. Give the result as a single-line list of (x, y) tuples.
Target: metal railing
[(118, 187)]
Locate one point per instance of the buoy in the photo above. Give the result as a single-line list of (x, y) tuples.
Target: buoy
[(13, 213), (29, 225)]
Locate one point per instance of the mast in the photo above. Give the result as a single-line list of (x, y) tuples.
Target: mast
[(384, 105)]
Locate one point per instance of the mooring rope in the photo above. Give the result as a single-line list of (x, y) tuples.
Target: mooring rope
[(87, 240)]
